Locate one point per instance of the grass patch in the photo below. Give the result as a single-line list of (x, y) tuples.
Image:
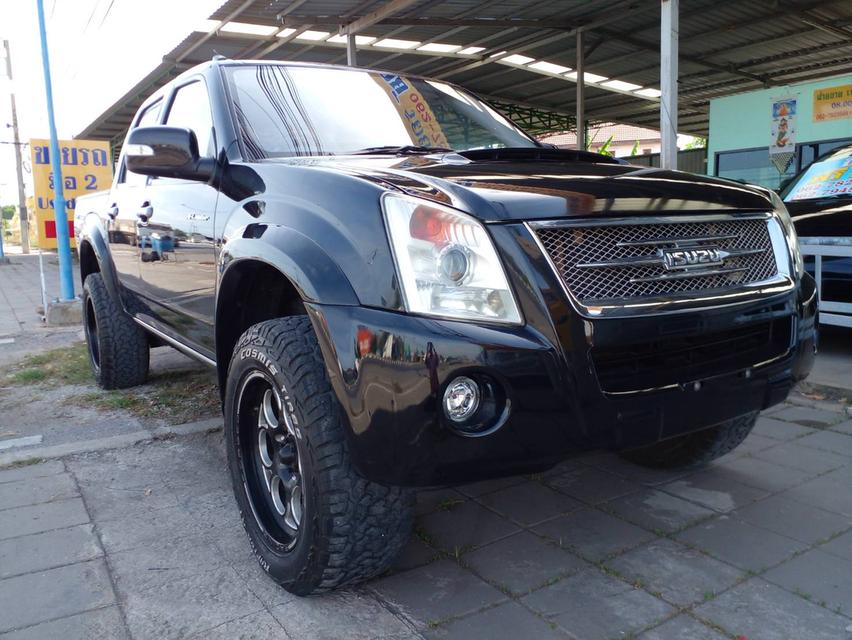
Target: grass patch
[(26, 462), (66, 365), (26, 376), (175, 397)]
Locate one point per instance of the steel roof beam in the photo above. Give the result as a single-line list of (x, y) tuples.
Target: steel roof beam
[(414, 22), (231, 16), (383, 12)]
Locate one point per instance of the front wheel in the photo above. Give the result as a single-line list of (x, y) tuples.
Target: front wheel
[(312, 522), (694, 449)]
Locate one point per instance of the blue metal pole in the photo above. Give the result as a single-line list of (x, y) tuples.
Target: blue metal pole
[(63, 244)]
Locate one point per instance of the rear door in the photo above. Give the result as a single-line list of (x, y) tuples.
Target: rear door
[(177, 253)]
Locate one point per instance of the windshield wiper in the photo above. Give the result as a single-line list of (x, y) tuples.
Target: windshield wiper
[(397, 150)]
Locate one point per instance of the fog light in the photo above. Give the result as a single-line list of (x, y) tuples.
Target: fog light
[(461, 399)]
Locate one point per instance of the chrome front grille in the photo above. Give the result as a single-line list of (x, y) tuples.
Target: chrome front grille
[(603, 263)]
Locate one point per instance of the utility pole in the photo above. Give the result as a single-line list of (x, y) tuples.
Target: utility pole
[(22, 198), (63, 241)]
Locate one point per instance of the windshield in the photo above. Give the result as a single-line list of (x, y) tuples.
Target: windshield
[(828, 177), (285, 111)]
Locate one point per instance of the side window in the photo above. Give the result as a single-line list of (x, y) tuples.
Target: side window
[(150, 116), (191, 109)]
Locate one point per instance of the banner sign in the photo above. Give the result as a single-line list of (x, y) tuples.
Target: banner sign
[(86, 168), (420, 120), (823, 179), (782, 143), (833, 103)]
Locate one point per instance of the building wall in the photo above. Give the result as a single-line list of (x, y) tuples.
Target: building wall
[(743, 121)]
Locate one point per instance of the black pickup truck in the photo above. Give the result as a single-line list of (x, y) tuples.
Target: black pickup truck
[(399, 288)]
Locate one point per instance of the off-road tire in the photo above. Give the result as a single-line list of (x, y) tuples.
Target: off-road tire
[(694, 449), (351, 528), (118, 347)]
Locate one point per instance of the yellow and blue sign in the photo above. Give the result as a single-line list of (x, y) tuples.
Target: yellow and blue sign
[(86, 168)]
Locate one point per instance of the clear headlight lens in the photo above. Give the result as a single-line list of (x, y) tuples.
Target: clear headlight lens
[(789, 233), (446, 262)]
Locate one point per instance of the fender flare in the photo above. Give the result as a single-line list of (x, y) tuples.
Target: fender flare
[(312, 271), (92, 233)]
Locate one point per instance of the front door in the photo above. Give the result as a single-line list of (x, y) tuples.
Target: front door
[(121, 219), (177, 249)]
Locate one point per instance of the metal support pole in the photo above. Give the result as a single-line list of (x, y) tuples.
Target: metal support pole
[(581, 94), (351, 52), (3, 258), (668, 82), (22, 198), (63, 244)]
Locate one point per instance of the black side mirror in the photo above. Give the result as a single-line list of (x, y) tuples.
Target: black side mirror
[(167, 152)]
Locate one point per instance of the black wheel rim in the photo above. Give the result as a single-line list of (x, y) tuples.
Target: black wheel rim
[(270, 461), (92, 334)]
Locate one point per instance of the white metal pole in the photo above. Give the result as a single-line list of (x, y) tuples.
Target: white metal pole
[(581, 94), (668, 82), (43, 287), (351, 52)]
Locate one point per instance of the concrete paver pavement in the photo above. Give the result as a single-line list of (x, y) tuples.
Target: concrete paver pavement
[(134, 543)]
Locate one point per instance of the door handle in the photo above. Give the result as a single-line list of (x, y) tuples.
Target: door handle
[(112, 212), (145, 213)]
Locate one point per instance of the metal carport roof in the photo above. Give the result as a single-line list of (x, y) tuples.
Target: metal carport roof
[(521, 54)]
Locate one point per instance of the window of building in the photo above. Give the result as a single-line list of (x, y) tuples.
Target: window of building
[(752, 166)]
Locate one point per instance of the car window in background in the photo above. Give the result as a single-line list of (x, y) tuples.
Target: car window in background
[(304, 111), (191, 109), (829, 177)]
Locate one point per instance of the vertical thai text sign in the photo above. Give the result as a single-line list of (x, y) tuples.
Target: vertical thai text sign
[(782, 136), (86, 168)]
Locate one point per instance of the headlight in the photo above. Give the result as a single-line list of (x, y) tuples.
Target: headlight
[(446, 262), (789, 232)]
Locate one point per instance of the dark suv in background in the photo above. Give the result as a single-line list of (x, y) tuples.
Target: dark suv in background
[(399, 288)]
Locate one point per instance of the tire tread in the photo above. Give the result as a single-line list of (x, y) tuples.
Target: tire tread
[(123, 345), (694, 449), (362, 525)]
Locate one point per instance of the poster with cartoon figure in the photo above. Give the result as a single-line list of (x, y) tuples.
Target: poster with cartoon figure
[(782, 144)]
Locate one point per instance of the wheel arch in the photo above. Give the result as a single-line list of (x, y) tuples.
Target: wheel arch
[(271, 278), (95, 256)]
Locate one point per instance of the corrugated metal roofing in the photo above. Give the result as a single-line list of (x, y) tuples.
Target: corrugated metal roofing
[(726, 46)]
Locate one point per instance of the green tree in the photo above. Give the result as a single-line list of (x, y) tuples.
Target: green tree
[(9, 211)]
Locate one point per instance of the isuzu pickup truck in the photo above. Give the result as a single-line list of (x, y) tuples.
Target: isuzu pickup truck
[(399, 288)]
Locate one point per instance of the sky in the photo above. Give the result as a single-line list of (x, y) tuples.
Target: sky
[(99, 49)]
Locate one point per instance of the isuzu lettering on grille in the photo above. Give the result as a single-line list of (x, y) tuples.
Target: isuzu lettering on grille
[(676, 259)]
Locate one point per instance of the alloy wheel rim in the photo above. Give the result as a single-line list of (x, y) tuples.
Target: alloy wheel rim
[(271, 464)]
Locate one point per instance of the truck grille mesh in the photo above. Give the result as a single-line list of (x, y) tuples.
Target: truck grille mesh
[(572, 246)]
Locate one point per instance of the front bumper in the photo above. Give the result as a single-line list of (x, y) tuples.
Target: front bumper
[(389, 371)]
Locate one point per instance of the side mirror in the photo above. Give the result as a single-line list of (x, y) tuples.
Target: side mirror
[(167, 152)]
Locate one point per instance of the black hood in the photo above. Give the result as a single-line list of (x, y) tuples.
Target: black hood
[(498, 190)]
